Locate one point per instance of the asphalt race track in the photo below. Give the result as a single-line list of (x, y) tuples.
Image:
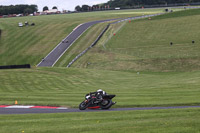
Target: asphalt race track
[(39, 111), (62, 47), (54, 56)]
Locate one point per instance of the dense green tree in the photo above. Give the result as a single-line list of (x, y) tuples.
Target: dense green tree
[(28, 11), (18, 9), (134, 3), (45, 8), (78, 8), (55, 7), (129, 3), (85, 7)]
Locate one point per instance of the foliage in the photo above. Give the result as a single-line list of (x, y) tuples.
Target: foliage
[(129, 3), (18, 9), (45, 8), (55, 7), (85, 7), (78, 8)]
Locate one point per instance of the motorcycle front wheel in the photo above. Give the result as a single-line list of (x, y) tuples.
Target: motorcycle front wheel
[(83, 105)]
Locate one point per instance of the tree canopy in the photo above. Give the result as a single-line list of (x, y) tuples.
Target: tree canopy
[(18, 9), (78, 8), (129, 3), (55, 7), (45, 8)]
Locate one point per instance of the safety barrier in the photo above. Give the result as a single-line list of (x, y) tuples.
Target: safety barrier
[(92, 45), (99, 37), (15, 66)]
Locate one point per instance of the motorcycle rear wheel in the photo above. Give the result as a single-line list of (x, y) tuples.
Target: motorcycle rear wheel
[(108, 105)]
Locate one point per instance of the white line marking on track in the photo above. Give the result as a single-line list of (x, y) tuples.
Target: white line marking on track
[(62, 108), (69, 46), (19, 107), (59, 45)]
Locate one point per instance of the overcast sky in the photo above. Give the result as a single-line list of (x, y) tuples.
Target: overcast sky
[(61, 4)]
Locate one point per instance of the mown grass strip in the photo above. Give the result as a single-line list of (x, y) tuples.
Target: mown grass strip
[(31, 44), (144, 45), (163, 121), (67, 87)]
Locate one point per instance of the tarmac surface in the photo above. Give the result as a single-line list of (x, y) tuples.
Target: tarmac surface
[(51, 59), (62, 47), (6, 111), (54, 56)]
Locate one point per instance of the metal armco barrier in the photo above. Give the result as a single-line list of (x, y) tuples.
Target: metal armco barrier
[(92, 45), (15, 66), (99, 37)]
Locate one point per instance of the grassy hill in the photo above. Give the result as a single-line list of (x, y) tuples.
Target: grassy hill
[(138, 50), (67, 87), (31, 44), (144, 45), (137, 55)]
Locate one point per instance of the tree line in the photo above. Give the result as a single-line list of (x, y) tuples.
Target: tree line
[(91, 8), (18, 9), (47, 8), (131, 3)]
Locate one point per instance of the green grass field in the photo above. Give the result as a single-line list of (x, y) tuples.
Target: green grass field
[(67, 87), (152, 121), (138, 65), (31, 44), (83, 42), (144, 45)]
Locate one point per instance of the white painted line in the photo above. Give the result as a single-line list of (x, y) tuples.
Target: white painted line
[(70, 46), (62, 108), (58, 45), (18, 107), (76, 40), (83, 33), (77, 27)]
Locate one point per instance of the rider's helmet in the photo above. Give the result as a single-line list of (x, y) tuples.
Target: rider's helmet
[(99, 90)]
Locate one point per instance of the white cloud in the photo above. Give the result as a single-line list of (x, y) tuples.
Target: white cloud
[(61, 4)]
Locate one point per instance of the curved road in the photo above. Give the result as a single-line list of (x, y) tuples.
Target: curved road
[(54, 56), (51, 59), (62, 47), (35, 111)]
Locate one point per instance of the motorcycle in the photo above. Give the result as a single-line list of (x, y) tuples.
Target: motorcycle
[(92, 102)]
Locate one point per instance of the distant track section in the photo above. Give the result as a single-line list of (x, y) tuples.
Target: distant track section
[(99, 37), (51, 59), (62, 47)]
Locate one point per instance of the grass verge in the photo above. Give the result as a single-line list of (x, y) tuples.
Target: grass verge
[(144, 45), (154, 121), (67, 87), (30, 44)]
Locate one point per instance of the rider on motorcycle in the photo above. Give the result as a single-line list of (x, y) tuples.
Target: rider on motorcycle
[(98, 99), (98, 94)]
